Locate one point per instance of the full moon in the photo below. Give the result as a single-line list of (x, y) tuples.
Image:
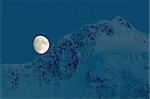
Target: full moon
[(41, 44)]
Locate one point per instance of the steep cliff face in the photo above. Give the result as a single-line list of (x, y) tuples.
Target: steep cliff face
[(104, 59)]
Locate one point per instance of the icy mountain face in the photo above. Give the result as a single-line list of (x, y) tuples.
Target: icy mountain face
[(123, 39), (106, 59)]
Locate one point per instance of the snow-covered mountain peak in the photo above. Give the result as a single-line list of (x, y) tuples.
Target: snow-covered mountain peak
[(122, 21), (81, 63), (111, 37), (124, 38)]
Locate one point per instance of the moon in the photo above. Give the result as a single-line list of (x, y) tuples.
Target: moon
[(41, 44)]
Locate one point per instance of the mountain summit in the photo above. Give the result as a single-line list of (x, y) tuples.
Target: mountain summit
[(106, 59)]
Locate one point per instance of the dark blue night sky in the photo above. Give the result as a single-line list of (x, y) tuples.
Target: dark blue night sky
[(23, 20)]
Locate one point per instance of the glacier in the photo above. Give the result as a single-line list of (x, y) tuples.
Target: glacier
[(108, 59)]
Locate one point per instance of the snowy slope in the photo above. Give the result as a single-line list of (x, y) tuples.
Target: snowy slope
[(125, 39), (105, 59)]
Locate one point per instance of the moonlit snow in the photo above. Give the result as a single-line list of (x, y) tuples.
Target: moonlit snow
[(103, 60)]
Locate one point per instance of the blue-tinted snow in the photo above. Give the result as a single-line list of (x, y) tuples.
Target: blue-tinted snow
[(103, 60)]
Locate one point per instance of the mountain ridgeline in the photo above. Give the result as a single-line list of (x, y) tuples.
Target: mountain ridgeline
[(106, 59)]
